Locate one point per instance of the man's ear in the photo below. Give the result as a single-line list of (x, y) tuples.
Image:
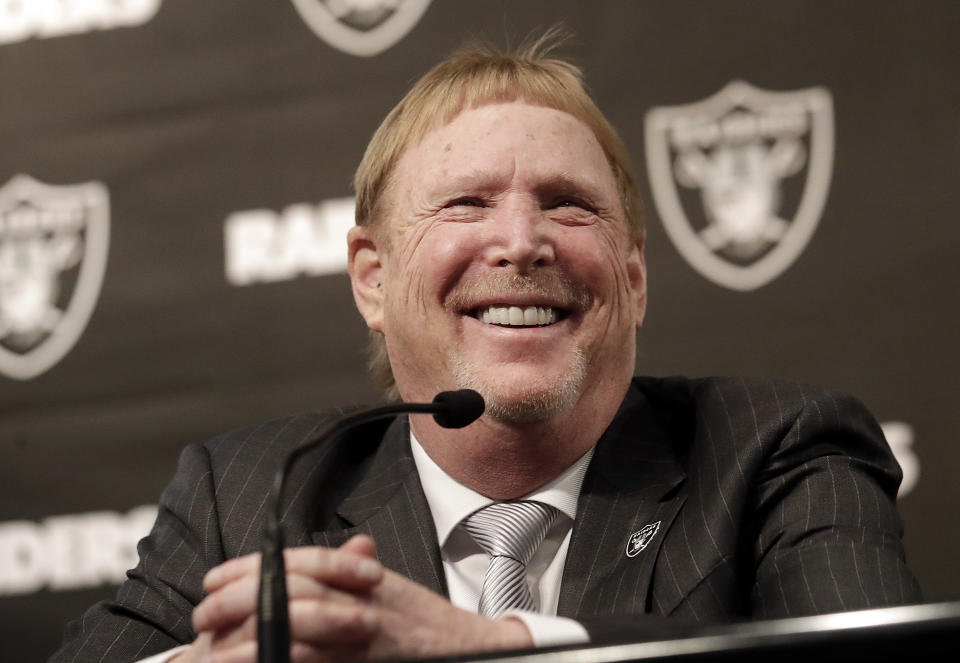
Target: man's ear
[(637, 272), (363, 263)]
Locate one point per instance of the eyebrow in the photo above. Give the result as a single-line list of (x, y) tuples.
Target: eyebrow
[(475, 181), (565, 184), (483, 182)]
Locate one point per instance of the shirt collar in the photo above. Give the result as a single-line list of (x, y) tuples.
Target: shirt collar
[(450, 501)]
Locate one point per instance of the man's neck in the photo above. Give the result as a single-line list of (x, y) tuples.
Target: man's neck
[(504, 460)]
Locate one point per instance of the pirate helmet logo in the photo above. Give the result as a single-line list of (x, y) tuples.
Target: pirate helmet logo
[(361, 27), (641, 539), (53, 254), (760, 163)]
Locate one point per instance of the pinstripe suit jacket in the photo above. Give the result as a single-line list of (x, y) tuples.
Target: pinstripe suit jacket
[(772, 500)]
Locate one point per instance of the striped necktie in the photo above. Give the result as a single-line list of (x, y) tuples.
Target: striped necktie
[(510, 532)]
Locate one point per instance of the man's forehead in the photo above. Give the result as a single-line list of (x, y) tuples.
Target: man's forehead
[(485, 146)]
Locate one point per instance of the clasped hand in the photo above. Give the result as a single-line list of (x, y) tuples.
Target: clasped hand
[(343, 605)]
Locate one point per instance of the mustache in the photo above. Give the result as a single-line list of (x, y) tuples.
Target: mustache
[(550, 286)]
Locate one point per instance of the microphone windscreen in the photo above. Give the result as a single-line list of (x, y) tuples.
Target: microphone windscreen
[(460, 408)]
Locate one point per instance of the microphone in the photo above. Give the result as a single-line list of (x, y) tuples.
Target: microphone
[(458, 408), (450, 409)]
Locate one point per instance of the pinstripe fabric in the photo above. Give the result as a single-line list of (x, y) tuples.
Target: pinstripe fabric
[(510, 532), (775, 500), (772, 500), (388, 504)]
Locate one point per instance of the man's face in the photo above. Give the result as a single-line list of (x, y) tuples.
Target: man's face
[(504, 264)]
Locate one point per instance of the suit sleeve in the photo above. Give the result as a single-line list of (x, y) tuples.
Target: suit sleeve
[(827, 533), (151, 612)]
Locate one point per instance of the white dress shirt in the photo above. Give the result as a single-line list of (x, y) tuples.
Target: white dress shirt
[(464, 562)]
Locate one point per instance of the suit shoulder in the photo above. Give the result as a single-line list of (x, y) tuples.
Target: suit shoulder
[(729, 391), (259, 449), (751, 410), (278, 435)]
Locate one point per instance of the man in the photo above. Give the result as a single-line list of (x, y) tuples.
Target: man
[(499, 247)]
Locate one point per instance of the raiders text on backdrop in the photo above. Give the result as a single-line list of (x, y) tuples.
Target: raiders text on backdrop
[(23, 19)]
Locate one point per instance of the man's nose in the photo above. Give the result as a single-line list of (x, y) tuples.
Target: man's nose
[(521, 239)]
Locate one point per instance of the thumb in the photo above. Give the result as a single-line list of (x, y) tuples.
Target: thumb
[(361, 544)]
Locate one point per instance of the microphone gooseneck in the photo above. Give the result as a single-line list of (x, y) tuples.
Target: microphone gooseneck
[(450, 409)]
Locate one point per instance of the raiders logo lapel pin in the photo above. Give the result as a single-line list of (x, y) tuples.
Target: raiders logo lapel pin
[(641, 539)]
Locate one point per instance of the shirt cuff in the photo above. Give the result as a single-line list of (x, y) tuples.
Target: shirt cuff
[(549, 631), (163, 657)]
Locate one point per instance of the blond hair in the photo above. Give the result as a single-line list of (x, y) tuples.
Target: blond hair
[(474, 76)]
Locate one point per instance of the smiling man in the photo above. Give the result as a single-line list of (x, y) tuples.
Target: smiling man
[(506, 264), (499, 247)]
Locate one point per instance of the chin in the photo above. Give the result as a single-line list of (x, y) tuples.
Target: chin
[(520, 399)]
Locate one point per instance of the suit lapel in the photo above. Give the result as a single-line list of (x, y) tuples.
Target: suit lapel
[(633, 489), (388, 504)]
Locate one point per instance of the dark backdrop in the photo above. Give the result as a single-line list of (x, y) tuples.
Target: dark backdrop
[(192, 113)]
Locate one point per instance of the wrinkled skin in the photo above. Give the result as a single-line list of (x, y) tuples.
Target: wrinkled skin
[(508, 204)]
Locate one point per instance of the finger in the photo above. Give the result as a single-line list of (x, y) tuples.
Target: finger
[(199, 650), (322, 623), (361, 544), (228, 605), (336, 567), (245, 652), (233, 623), (230, 637), (318, 632), (299, 653), (303, 653), (231, 570), (236, 601), (344, 567)]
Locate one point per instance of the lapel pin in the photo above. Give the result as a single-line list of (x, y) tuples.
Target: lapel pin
[(641, 539)]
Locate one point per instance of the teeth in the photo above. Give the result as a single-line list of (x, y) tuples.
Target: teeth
[(529, 316)]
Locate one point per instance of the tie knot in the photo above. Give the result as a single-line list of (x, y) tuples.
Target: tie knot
[(511, 529)]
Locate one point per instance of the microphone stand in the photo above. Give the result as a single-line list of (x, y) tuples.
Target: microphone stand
[(450, 409)]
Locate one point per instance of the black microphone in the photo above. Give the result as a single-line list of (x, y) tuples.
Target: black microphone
[(450, 409), (458, 408)]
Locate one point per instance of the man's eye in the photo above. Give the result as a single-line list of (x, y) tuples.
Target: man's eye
[(465, 202), (572, 202)]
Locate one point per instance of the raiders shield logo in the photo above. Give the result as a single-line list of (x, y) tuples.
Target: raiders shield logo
[(53, 254), (361, 27), (740, 179), (640, 540)]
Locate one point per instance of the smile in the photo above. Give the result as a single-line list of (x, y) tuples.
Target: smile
[(517, 316)]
